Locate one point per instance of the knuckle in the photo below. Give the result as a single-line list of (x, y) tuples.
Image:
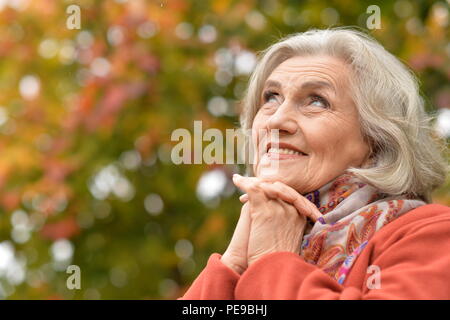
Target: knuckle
[(298, 203), (254, 186), (268, 217), (291, 213), (264, 216), (278, 184), (254, 214), (264, 185)]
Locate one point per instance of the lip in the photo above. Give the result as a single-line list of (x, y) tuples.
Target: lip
[(282, 156), (284, 145)]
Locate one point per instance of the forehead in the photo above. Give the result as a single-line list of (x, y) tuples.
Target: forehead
[(300, 68)]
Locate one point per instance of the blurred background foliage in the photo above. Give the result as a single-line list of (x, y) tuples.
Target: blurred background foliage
[(86, 118)]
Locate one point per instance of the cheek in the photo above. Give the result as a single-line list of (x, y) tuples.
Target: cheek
[(259, 120), (347, 149), (321, 138), (256, 133), (329, 139), (258, 128)]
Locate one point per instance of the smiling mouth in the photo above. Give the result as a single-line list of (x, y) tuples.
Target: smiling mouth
[(284, 149), (284, 154)]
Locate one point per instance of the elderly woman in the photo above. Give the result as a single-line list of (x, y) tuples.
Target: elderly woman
[(338, 204)]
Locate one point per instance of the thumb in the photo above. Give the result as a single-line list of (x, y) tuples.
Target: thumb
[(236, 253), (242, 231)]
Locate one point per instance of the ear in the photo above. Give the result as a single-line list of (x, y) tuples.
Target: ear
[(369, 161)]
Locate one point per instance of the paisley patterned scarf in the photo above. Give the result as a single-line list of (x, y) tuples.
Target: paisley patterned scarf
[(353, 211)]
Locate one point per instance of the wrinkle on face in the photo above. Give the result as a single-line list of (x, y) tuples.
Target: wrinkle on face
[(332, 135)]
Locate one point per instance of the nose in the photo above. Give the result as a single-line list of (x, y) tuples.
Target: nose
[(283, 120)]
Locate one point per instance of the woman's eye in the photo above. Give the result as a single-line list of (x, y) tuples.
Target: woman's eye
[(270, 95), (319, 101)]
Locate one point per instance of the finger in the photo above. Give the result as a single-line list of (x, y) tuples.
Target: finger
[(244, 183), (301, 203), (242, 229), (273, 192), (243, 225), (243, 198), (289, 208), (279, 190), (250, 185), (239, 241)]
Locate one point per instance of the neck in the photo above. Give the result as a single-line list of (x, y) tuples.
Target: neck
[(327, 197)]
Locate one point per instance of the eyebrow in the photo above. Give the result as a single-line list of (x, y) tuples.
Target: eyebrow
[(305, 85)]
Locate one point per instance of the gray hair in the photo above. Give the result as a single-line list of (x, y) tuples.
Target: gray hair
[(406, 153)]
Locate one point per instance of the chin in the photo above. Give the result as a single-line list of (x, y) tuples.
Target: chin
[(285, 176)]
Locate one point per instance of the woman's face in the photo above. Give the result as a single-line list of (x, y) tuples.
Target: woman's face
[(307, 101)]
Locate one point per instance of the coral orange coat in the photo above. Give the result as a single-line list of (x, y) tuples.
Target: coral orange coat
[(412, 254)]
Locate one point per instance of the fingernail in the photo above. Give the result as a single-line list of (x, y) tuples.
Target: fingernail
[(321, 220)]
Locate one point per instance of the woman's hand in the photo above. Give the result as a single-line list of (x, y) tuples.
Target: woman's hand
[(235, 257), (278, 216), (279, 190)]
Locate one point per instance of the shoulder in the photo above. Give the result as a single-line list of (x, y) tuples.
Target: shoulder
[(426, 220), (430, 213)]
